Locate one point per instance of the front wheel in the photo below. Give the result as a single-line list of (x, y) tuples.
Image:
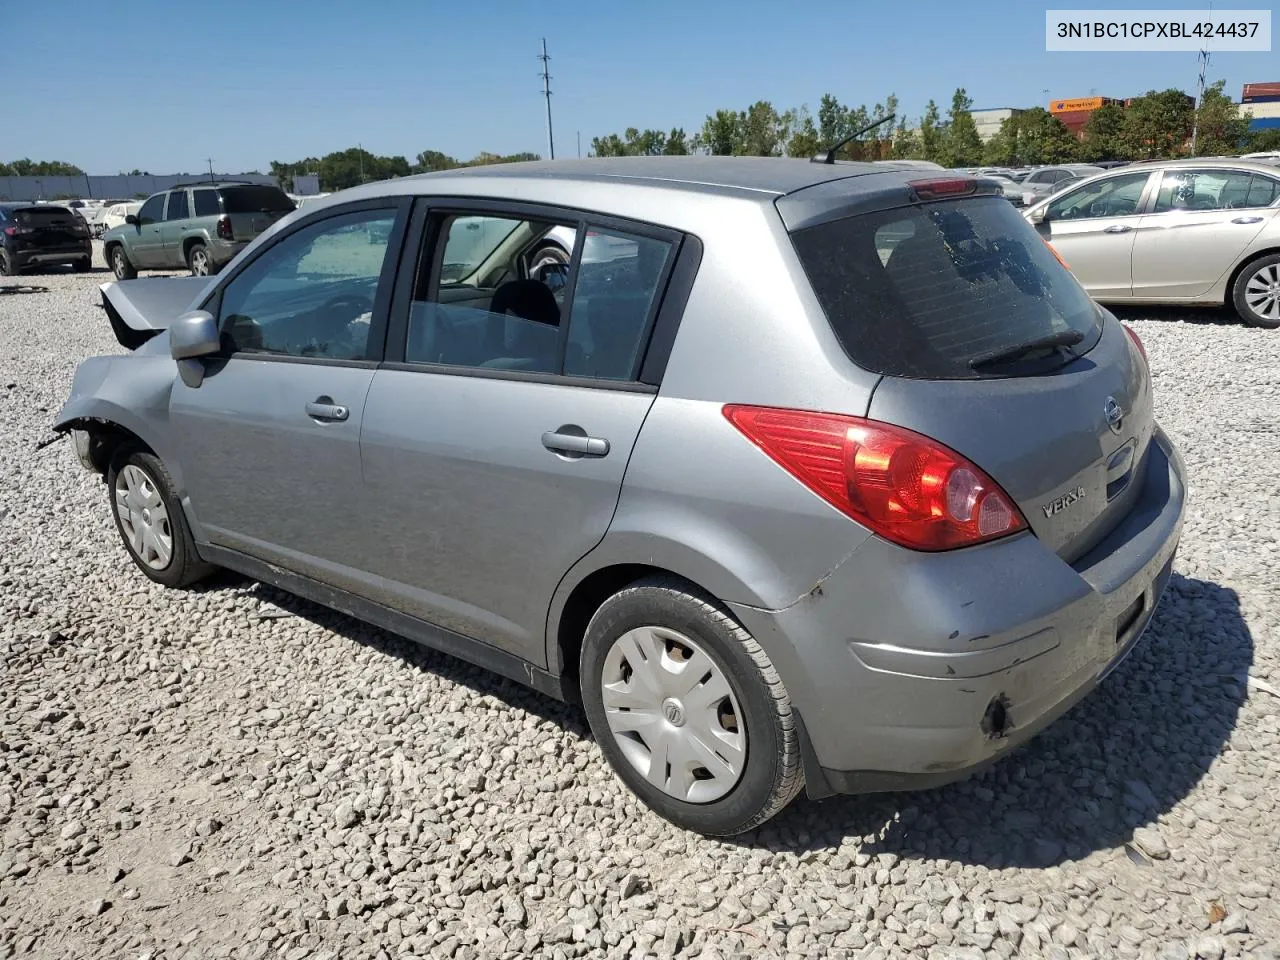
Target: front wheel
[(198, 261), (689, 710), (7, 266), (150, 520), (120, 265), (1256, 292)]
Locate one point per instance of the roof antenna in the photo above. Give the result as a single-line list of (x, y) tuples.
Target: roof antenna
[(829, 155)]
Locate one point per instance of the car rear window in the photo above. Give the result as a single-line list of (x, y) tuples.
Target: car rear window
[(921, 291), (254, 200), (42, 216)]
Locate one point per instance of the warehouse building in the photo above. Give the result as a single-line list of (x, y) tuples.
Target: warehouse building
[(988, 121)]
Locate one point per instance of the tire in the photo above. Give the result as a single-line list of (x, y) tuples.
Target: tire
[(7, 267), (83, 266), (756, 746), (1256, 292), (198, 261), (120, 265), (138, 483)]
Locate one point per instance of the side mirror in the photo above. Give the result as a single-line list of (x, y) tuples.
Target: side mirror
[(1040, 215), (194, 335), (131, 219)]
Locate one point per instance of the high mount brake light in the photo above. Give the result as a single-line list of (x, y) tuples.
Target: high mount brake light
[(1137, 341), (907, 488), (936, 187)]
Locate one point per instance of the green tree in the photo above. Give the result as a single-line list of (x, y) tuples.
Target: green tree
[(40, 168), (906, 143), (931, 137), (1261, 140), (1220, 129), (1102, 134), (1157, 125), (430, 160), (1043, 138), (833, 120), (677, 144), (721, 134), (962, 147), (762, 132), (803, 138)]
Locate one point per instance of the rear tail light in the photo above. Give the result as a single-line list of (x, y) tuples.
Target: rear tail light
[(936, 187), (903, 486), (1137, 342), (17, 231), (224, 227)]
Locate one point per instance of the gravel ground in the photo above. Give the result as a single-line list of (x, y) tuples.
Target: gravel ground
[(232, 772)]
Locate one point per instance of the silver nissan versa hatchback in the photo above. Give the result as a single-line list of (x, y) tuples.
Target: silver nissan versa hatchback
[(813, 474)]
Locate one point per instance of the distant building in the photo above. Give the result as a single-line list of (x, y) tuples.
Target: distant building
[(306, 184), (988, 121)]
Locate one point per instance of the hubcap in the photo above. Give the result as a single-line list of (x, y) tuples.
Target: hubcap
[(673, 714), (143, 517), (1262, 292), (199, 263)]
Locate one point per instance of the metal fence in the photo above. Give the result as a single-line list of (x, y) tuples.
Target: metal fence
[(107, 188)]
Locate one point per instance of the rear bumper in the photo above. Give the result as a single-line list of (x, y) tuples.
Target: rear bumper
[(911, 670), (66, 253), (222, 252)]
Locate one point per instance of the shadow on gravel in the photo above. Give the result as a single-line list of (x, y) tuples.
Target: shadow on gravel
[(517, 695), (1126, 754), (1202, 316)]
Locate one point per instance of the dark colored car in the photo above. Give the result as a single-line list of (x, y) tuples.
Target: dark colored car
[(37, 235)]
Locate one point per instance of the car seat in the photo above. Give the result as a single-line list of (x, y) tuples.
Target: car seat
[(529, 339)]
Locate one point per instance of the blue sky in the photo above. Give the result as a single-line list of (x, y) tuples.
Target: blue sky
[(161, 86)]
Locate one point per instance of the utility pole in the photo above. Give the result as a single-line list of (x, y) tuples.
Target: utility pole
[(579, 144), (546, 92), (1195, 121), (360, 148)]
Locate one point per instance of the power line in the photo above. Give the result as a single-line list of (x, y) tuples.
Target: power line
[(546, 92)]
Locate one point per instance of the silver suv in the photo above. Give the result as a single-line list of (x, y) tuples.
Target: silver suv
[(827, 475), (199, 227)]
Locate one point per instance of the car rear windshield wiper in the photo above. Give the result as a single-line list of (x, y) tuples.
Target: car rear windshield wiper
[(1064, 338)]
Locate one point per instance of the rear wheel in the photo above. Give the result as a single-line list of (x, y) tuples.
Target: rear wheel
[(150, 520), (7, 267), (198, 260), (120, 265), (1257, 292), (688, 709)]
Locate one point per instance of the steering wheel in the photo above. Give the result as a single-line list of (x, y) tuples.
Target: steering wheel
[(330, 321)]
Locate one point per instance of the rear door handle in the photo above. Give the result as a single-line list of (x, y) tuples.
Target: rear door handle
[(1118, 228), (323, 408), (1247, 220), (575, 444)]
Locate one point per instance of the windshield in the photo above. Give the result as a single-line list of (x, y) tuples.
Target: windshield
[(254, 200), (921, 291)]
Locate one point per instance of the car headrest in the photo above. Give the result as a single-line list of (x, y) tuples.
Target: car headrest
[(528, 299)]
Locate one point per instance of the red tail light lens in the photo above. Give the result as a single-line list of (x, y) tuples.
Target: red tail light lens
[(17, 231), (903, 486), (1137, 342), (224, 228)]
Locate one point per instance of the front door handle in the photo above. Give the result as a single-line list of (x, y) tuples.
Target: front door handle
[(1247, 220), (574, 442), (1118, 228), (323, 408)]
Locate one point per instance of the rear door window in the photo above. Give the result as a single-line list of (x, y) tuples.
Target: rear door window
[(1263, 191), (1192, 190), (922, 291)]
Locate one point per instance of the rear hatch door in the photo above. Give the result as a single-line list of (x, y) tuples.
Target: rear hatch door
[(253, 208), (948, 299), (50, 229)]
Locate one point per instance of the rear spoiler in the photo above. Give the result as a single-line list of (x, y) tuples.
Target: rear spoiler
[(144, 308)]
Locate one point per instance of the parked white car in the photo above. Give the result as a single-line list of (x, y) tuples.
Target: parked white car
[(115, 214)]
